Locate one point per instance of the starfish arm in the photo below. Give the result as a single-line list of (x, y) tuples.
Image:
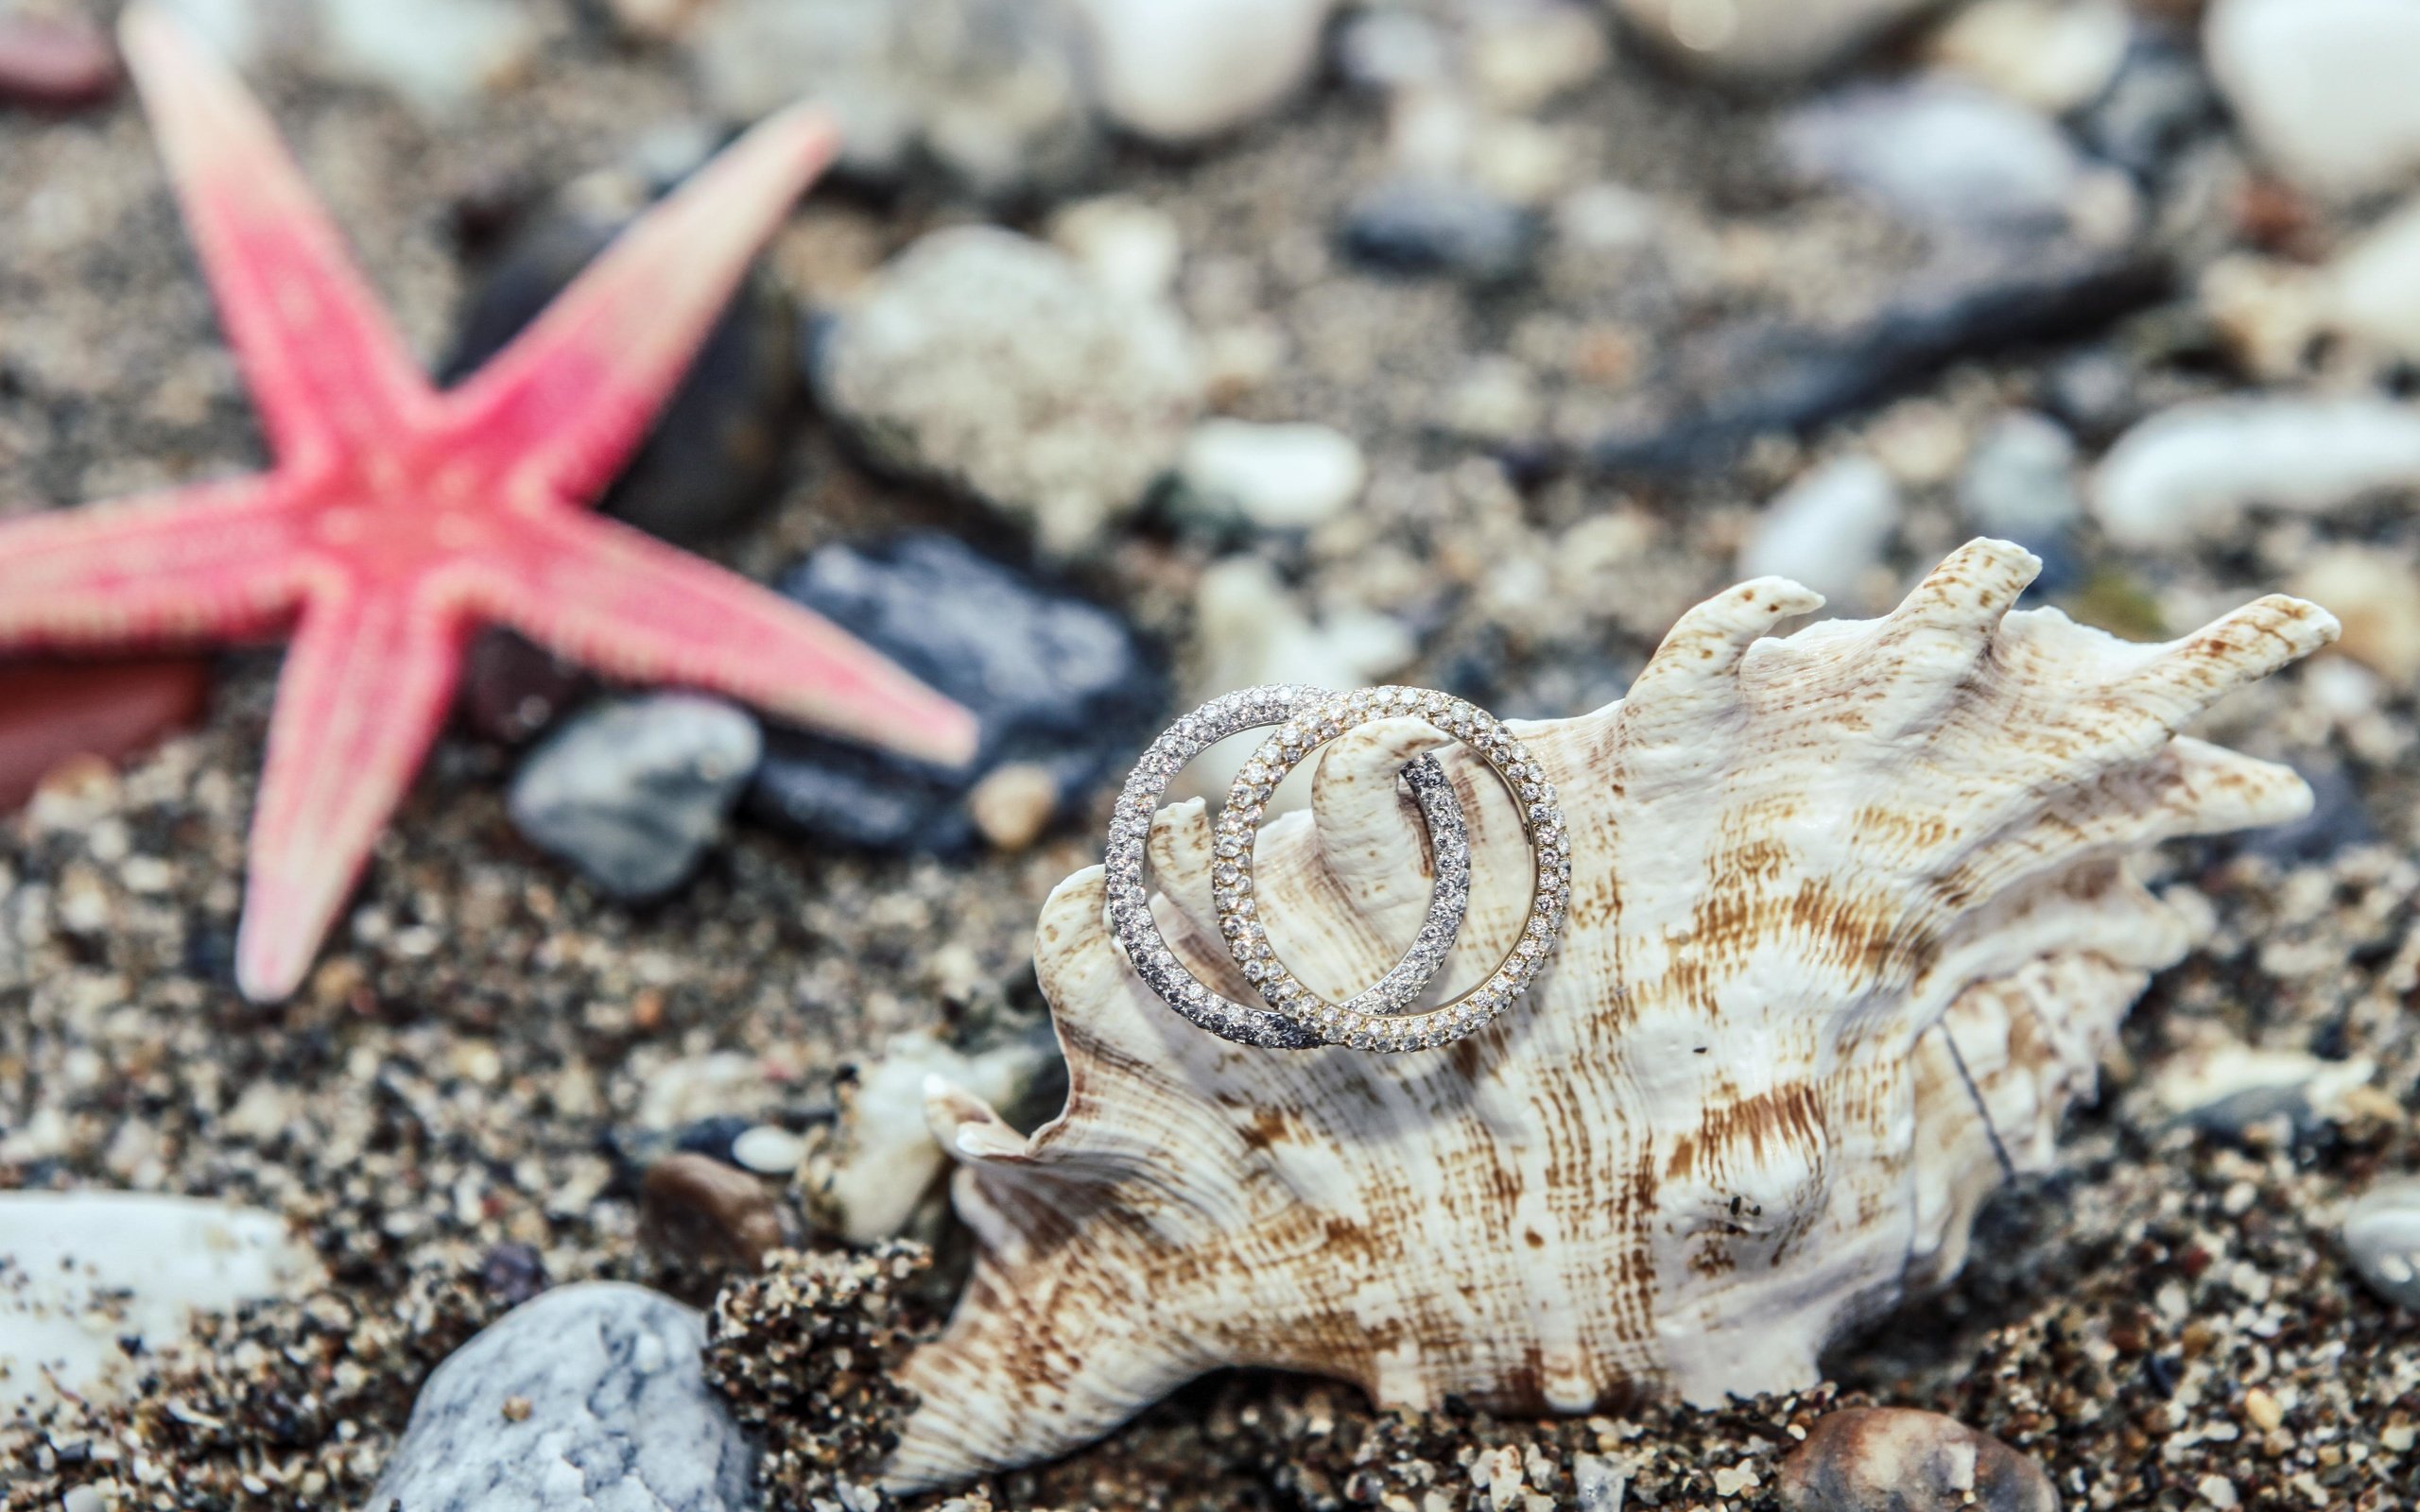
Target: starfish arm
[(210, 560), (630, 606), (365, 687), (326, 370), (562, 408)]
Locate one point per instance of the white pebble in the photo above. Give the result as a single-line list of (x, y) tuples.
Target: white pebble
[(1129, 247), (768, 1149), (2372, 285), (1282, 478), (1178, 71), (2194, 467), (436, 54), (1523, 55), (1766, 41), (1827, 529), (2381, 1236), (2020, 481), (1938, 150), (2052, 55), (2323, 86)]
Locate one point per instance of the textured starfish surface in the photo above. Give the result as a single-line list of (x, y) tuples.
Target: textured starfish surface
[(397, 518)]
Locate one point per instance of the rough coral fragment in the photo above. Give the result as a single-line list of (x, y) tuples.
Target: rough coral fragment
[(397, 518), (1851, 918)]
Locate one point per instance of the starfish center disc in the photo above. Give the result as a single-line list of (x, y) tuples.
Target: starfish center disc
[(393, 515)]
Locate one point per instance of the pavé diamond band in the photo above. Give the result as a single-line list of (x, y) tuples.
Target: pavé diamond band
[(1129, 909), (1296, 1017), (1351, 1022)]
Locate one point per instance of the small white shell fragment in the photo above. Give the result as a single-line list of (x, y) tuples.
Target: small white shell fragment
[(2052, 55), (79, 1270), (2227, 1084), (1727, 1124), (867, 1181), (1129, 248)]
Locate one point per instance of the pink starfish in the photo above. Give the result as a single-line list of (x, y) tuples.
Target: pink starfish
[(397, 518)]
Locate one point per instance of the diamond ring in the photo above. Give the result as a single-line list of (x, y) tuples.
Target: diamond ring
[(1353, 1022), (1297, 709)]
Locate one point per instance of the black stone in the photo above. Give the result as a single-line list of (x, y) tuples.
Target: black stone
[(713, 1137), (709, 461), (1054, 680), (1759, 380)]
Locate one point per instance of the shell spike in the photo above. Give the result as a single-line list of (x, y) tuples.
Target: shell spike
[(967, 1129), (1966, 595), (1181, 858), (2190, 675), (1932, 643), (1689, 691), (2208, 789)]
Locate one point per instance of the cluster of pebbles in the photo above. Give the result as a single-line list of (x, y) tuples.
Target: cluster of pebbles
[(1467, 348)]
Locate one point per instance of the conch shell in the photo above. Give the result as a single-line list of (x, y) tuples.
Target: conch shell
[(1850, 919)]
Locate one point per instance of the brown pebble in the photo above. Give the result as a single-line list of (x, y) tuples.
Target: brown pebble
[(1895, 1459), (52, 712), (516, 1409), (55, 63), (2275, 219), (1014, 805), (695, 1207)]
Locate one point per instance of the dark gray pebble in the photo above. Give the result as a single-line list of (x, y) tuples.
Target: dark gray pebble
[(1055, 681), (2158, 105), (1441, 226), (631, 793)]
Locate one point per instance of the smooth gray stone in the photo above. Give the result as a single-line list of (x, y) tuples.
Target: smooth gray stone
[(619, 1418), (632, 793)]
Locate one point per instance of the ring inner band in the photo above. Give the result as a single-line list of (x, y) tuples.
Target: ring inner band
[(1352, 1023), (1129, 910)]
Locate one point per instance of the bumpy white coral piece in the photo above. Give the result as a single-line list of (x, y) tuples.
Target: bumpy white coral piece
[(1727, 1123)]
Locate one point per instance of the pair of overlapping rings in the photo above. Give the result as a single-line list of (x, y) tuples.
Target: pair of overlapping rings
[(1292, 1016)]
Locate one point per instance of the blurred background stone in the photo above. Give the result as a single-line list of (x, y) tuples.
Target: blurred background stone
[(988, 362), (1060, 686), (631, 793), (708, 461)]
